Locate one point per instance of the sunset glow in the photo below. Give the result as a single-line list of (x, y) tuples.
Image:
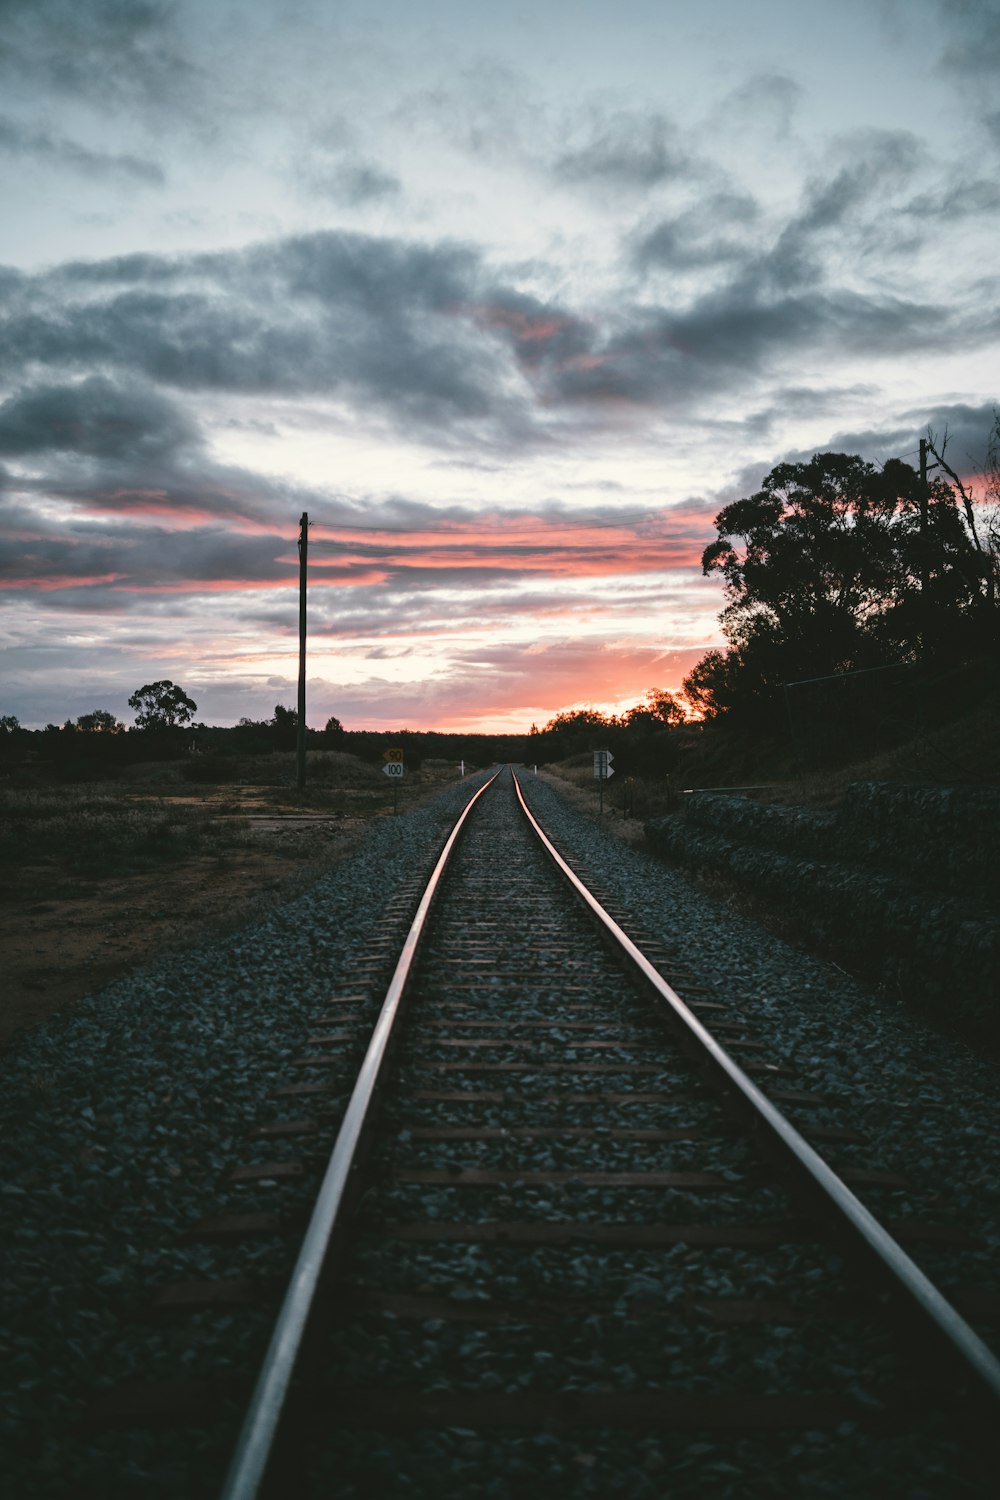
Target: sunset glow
[(511, 304)]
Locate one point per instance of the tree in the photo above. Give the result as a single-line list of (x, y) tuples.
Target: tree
[(284, 726), (578, 718), (809, 553), (830, 568), (661, 710), (161, 705), (986, 534), (9, 724), (99, 722)]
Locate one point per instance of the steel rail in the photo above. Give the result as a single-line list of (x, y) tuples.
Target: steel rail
[(255, 1445), (936, 1314)]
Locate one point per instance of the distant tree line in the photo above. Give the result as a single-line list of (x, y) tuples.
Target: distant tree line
[(97, 743)]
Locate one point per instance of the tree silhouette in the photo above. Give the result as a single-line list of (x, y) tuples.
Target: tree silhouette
[(99, 722), (284, 727), (161, 705), (832, 566), (660, 710)]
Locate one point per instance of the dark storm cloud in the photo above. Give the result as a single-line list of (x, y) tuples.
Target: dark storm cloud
[(880, 162), (766, 98), (20, 140), (94, 417), (539, 333), (786, 297), (971, 39), (107, 52), (728, 337), (809, 402), (628, 150), (118, 561), (485, 109), (967, 427), (431, 339), (65, 281), (373, 320), (968, 36), (353, 183), (701, 235), (960, 200)]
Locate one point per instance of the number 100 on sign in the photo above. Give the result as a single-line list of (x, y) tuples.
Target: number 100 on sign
[(393, 764)]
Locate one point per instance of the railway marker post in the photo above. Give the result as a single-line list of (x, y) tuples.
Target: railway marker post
[(603, 769), (393, 768)]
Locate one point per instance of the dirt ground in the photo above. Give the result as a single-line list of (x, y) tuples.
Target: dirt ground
[(61, 946)]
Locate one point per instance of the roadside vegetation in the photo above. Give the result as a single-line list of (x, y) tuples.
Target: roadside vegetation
[(96, 830)]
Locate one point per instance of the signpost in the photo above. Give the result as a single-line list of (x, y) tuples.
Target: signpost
[(603, 769), (393, 768)]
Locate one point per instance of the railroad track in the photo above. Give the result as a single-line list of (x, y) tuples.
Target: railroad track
[(550, 1227), (564, 1240)]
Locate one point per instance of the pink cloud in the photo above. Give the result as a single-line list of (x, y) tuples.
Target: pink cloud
[(521, 544), (61, 581)]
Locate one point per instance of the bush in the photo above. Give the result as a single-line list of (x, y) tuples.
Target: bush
[(210, 769)]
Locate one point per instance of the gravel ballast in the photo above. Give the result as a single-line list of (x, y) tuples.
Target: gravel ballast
[(122, 1118)]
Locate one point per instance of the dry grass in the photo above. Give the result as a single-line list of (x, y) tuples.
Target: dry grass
[(578, 788), (96, 878), (102, 830), (965, 752)]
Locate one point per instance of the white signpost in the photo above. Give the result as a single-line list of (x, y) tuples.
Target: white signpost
[(393, 768), (602, 770)]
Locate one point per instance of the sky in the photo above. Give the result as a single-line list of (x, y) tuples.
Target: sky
[(511, 300)]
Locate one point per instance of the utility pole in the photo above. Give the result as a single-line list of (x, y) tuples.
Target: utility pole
[(924, 568), (300, 741)]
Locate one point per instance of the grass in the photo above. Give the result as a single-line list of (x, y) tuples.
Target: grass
[(60, 833), (627, 800), (96, 830)]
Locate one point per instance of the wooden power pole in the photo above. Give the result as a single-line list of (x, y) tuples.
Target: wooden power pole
[(300, 740), (924, 560)]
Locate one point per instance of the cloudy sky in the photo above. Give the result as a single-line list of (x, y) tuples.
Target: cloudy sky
[(511, 299)]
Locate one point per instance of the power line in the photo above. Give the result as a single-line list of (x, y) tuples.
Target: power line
[(913, 453), (508, 522)]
